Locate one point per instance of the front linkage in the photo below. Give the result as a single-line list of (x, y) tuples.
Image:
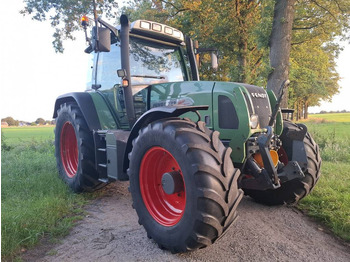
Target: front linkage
[(262, 168)]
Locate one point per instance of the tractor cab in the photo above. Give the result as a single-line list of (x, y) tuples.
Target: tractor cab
[(155, 54)]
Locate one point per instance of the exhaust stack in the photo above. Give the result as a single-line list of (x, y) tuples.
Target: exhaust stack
[(124, 50)]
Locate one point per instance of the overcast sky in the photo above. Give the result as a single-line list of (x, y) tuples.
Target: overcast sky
[(32, 75)]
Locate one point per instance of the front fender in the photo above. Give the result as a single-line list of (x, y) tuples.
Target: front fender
[(86, 106), (152, 115)]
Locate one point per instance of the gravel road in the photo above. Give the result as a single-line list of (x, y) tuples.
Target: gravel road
[(110, 232)]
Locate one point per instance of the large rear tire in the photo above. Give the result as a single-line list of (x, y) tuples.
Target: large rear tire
[(204, 204), (292, 191), (74, 149)]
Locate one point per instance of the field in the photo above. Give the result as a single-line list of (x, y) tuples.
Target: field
[(336, 117), (36, 203), (15, 135)]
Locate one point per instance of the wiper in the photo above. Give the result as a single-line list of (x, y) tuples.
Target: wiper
[(149, 76)]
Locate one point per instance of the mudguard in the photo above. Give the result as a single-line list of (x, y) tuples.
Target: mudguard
[(86, 105), (154, 114)]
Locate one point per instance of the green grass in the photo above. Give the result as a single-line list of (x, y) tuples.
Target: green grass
[(15, 135), (331, 117), (34, 201), (330, 200)]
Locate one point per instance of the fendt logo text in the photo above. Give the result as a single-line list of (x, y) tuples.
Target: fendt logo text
[(259, 95)]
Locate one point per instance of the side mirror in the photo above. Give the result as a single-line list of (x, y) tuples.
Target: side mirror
[(121, 73), (213, 55), (214, 60), (102, 43)]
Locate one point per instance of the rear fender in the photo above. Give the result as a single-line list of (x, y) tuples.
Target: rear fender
[(152, 115), (85, 104)]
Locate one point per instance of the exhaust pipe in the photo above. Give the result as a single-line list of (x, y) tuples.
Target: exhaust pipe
[(124, 51)]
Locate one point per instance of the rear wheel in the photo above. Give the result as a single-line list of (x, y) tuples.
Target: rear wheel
[(292, 191), (74, 149), (183, 184)]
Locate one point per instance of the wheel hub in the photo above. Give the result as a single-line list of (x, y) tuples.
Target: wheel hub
[(172, 182)]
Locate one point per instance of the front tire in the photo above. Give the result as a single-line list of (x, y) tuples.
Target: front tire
[(74, 149), (204, 204), (292, 191)]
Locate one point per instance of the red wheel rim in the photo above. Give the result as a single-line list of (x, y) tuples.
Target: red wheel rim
[(166, 209), (69, 149)]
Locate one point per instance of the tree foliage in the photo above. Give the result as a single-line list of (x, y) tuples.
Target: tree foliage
[(10, 121), (40, 121), (318, 27), (65, 15), (240, 30)]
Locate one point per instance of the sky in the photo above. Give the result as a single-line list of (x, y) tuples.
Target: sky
[(32, 75)]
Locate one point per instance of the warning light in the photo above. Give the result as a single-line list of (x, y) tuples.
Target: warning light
[(84, 21), (125, 82)]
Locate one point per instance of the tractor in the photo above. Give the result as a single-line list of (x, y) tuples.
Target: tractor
[(190, 149)]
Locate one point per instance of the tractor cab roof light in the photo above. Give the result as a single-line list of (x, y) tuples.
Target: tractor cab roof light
[(177, 33), (157, 29), (145, 25), (168, 30)]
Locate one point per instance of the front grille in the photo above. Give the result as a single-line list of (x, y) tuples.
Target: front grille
[(261, 103)]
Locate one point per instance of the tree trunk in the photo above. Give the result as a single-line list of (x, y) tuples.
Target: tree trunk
[(306, 107), (242, 60), (280, 45)]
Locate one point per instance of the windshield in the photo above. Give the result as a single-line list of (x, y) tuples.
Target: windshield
[(152, 63)]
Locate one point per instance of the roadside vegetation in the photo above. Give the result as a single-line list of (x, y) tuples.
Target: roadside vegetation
[(36, 203), (330, 200)]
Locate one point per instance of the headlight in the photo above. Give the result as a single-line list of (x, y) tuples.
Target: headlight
[(254, 121)]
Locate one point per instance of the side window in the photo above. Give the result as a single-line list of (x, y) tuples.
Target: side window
[(89, 73), (108, 64)]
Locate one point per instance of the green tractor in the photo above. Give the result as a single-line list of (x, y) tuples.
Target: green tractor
[(191, 149)]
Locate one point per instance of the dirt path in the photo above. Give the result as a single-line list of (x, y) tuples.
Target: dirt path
[(111, 233)]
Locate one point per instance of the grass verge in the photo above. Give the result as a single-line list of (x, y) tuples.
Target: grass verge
[(34, 201), (329, 202)]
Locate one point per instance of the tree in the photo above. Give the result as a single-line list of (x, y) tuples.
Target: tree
[(40, 121), (10, 121), (318, 27), (65, 15), (280, 45), (313, 76)]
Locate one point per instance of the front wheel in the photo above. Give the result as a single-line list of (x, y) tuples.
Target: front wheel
[(183, 184), (292, 191), (74, 149)]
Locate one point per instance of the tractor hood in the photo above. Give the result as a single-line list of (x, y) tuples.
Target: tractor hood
[(235, 110)]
